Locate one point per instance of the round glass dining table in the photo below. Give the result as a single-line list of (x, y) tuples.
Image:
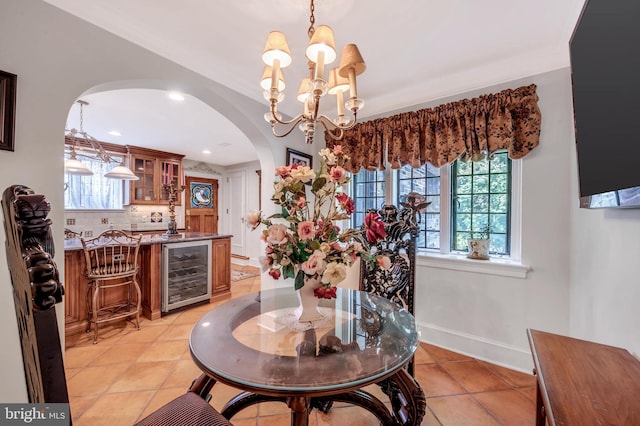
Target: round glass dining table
[(254, 343)]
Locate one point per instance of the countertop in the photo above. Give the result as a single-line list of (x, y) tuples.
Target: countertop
[(160, 238)]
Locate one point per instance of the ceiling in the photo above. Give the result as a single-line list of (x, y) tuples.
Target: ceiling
[(416, 51)]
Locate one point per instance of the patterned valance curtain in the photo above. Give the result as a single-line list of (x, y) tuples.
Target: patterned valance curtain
[(468, 129)]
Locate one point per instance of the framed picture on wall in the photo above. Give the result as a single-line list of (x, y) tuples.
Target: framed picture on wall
[(8, 83), (297, 157)]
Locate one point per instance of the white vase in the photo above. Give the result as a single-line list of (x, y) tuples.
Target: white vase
[(308, 310), (478, 249)]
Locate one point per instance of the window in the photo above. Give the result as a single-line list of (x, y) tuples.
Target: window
[(480, 200), (465, 197), (369, 193), (424, 180), (96, 191)]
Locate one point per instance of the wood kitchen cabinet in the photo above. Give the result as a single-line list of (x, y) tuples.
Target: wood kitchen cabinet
[(221, 258), (149, 278), (153, 168)]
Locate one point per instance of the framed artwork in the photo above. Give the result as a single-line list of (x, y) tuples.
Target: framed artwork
[(201, 195), (297, 157), (8, 84)]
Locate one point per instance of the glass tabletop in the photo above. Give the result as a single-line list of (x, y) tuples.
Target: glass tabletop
[(251, 341)]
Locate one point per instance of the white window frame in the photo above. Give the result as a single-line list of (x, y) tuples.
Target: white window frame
[(444, 258), (96, 175)]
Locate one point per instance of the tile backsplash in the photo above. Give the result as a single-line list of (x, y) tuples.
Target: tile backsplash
[(131, 218)]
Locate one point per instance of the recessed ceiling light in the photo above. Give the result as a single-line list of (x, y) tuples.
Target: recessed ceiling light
[(176, 96), (115, 133), (206, 151)]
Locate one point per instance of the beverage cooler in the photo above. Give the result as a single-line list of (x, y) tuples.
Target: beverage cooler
[(186, 273)]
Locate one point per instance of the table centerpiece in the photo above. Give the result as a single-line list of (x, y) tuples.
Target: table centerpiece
[(304, 241)]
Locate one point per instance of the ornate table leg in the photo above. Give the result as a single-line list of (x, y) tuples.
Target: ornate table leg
[(299, 410), (408, 401)]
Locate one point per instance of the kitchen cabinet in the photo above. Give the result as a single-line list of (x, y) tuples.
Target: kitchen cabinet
[(149, 277), (153, 168)]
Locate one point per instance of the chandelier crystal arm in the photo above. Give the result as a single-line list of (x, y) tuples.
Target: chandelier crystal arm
[(288, 126), (275, 119), (336, 132)]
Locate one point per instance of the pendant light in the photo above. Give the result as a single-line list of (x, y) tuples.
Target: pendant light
[(75, 167)]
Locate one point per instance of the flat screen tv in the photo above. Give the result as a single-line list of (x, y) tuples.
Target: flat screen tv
[(605, 69)]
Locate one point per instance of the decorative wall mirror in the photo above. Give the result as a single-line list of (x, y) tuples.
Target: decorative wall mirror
[(7, 110)]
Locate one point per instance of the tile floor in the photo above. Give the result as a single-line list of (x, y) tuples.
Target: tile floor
[(130, 373)]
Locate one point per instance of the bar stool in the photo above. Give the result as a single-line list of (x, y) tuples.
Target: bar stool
[(111, 261)]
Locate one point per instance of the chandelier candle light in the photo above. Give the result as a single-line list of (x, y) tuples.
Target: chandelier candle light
[(320, 51)]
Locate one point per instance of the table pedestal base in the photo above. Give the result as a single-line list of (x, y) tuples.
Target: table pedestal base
[(407, 400)]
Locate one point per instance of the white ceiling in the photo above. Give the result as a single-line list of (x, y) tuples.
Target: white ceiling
[(415, 51)]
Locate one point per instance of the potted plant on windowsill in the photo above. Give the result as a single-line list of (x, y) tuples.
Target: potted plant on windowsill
[(479, 243)]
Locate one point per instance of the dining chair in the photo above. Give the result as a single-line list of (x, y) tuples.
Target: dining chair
[(111, 262), (395, 280), (70, 235), (36, 291)]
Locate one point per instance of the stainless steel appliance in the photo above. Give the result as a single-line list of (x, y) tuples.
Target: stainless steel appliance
[(186, 273)]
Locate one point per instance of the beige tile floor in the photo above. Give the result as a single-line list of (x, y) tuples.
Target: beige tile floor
[(130, 373)]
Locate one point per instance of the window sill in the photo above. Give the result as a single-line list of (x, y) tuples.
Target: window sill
[(493, 266)]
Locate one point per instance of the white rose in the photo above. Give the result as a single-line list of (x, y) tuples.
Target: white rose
[(303, 173), (334, 274)]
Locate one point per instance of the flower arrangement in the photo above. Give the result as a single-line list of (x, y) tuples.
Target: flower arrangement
[(303, 240)]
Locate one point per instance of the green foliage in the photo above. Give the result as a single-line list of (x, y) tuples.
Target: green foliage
[(299, 283)]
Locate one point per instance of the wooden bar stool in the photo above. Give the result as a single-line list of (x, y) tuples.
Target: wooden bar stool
[(111, 262)]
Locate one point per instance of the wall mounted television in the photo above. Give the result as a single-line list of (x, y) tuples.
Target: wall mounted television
[(605, 72)]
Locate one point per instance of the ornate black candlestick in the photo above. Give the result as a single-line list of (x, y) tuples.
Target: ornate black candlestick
[(173, 193)]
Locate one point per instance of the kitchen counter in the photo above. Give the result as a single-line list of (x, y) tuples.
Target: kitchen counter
[(149, 276), (159, 238)]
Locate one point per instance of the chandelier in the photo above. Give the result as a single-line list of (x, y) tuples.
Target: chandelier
[(73, 166), (320, 51)]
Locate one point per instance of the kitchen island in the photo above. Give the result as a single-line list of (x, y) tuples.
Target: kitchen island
[(149, 277)]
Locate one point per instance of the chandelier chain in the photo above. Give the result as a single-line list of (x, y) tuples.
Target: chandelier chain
[(81, 117), (312, 19), (320, 49)]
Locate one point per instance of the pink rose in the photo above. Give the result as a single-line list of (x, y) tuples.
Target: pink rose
[(283, 171), (277, 234), (315, 263), (301, 202), (374, 227), (305, 230), (347, 203), (337, 173), (253, 218)]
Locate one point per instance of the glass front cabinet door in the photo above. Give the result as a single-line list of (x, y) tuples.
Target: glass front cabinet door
[(143, 190), (154, 170)]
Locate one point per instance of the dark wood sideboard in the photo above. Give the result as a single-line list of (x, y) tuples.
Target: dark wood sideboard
[(584, 383), (149, 277)]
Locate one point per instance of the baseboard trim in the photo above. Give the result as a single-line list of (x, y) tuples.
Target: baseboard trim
[(481, 348)]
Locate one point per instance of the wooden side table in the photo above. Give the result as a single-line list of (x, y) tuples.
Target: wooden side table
[(584, 383)]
